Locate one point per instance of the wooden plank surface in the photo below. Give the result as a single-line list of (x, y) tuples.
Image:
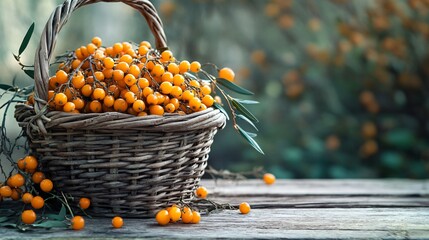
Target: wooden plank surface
[(293, 209)]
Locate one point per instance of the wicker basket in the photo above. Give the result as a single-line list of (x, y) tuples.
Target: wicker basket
[(127, 165)]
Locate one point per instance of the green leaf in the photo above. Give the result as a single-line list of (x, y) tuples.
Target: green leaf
[(247, 120), (30, 73), (246, 101), (243, 110), (250, 140), (6, 224), (26, 39), (50, 224), (60, 216), (7, 87), (252, 135), (218, 106), (232, 86), (3, 219)]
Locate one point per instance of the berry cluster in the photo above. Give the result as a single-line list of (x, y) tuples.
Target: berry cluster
[(127, 78)]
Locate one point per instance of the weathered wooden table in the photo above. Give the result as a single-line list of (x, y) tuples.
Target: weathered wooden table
[(296, 209)]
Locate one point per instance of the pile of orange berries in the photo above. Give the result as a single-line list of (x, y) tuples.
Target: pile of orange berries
[(175, 213), (127, 78)]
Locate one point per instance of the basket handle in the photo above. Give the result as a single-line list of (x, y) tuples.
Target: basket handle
[(57, 20)]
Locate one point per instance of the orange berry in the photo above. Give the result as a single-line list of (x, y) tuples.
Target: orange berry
[(195, 103), (141, 114), (60, 99), (69, 107), (84, 203), (98, 94), (269, 178), (95, 106), (130, 97), (117, 48), (207, 100), (166, 87), (173, 68), (167, 77), (178, 80), (78, 103), (123, 66), (46, 185), (175, 102), (28, 217), (150, 65), (117, 222), (187, 215), (201, 192), (194, 83), (126, 58), (21, 164), (5, 191), (143, 50), (78, 81), (158, 70), (37, 202), (53, 82), (16, 194), (86, 90), (147, 91), (162, 217), (91, 48), (139, 106), (61, 76), (195, 67), (174, 214), (187, 95), (152, 99), (37, 177), (143, 82), (196, 217), (30, 162), (27, 197), (79, 54), (108, 63), (156, 110), (109, 51), (99, 76), (97, 41), (161, 98), (227, 73), (130, 80), (206, 90), (118, 75), (146, 44), (244, 208), (134, 70), (16, 181), (76, 63), (108, 73), (84, 51), (77, 223), (108, 101), (184, 66), (170, 107), (120, 105)]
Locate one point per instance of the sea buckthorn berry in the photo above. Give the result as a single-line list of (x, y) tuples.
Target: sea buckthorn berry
[(156, 110), (166, 87), (269, 178), (178, 80), (201, 192), (150, 65), (99, 76), (16, 194), (187, 215), (30, 162), (37, 202), (78, 103), (78, 81), (117, 48), (173, 68), (114, 90), (141, 114), (227, 73), (46, 185), (84, 51), (194, 83), (108, 62), (78, 54), (95, 106), (147, 91), (84, 203), (206, 90), (175, 102), (130, 97), (16, 180), (76, 63), (176, 91), (170, 108), (21, 164), (184, 66), (37, 177), (174, 214), (123, 66), (91, 48), (130, 80), (207, 100), (162, 217), (120, 105), (53, 82), (28, 216), (143, 82), (77, 223), (134, 70), (158, 70), (196, 217), (117, 222), (195, 104), (167, 55), (146, 44), (5, 191), (167, 77), (143, 50), (139, 106), (69, 107), (61, 77), (161, 98), (244, 208), (70, 92), (152, 99), (118, 75), (195, 67), (97, 41), (90, 80), (86, 90), (27, 197), (108, 73), (109, 51), (135, 89), (126, 58), (60, 99), (108, 101), (187, 95)]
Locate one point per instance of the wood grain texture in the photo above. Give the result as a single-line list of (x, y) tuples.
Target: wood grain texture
[(290, 209)]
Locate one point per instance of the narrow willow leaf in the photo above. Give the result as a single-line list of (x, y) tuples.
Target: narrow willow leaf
[(246, 101), (8, 224), (232, 86), (247, 120), (26, 39), (252, 135), (30, 73), (243, 110), (250, 139), (221, 109), (60, 216), (191, 76), (50, 224), (7, 87), (3, 219)]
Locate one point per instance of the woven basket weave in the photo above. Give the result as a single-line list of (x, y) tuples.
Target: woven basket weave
[(127, 165)]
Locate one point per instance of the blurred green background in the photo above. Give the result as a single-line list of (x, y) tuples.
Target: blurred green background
[(343, 85)]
